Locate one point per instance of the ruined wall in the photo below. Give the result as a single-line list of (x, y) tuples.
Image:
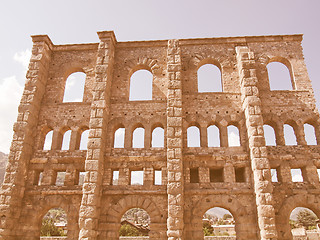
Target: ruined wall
[(194, 179)]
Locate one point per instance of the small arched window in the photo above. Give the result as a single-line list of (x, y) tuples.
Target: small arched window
[(74, 87), (289, 135), (310, 134), (209, 78), (119, 138), (213, 136), (233, 136), (141, 85), (279, 76), (193, 136), (48, 141), (84, 140), (158, 137), (138, 138), (66, 140), (269, 135)]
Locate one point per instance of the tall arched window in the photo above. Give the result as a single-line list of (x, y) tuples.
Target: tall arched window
[(50, 222), (269, 135), (157, 137), (48, 141), (84, 140), (213, 136), (233, 136), (279, 76), (193, 135), (141, 85), (74, 87), (209, 78), (119, 138), (66, 140), (138, 138), (289, 135), (310, 135)]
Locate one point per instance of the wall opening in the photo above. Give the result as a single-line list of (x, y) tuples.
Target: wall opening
[(274, 175), (138, 138), (74, 87), (233, 136), (216, 175), (240, 174), (213, 135), (289, 135), (269, 135), (60, 178), (135, 222), (119, 138), (303, 222), (279, 76), (157, 177), (193, 136), (38, 176), (81, 178), (48, 141), (115, 177), (310, 135), (209, 78), (84, 140), (54, 223), (66, 140), (141, 85), (136, 177), (158, 137), (218, 222), (296, 175), (194, 175)]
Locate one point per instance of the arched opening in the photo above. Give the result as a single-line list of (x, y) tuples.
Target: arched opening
[(84, 140), (54, 223), (158, 137), (218, 222), (213, 136), (135, 222), (233, 136), (209, 78), (48, 141), (138, 138), (279, 76), (66, 140), (141, 85), (193, 136), (304, 223), (119, 138), (269, 135), (310, 135), (289, 135), (74, 87)]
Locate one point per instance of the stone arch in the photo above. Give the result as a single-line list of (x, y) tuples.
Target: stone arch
[(45, 129), (245, 220), (143, 63)]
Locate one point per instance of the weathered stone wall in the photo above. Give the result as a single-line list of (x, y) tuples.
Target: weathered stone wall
[(261, 208)]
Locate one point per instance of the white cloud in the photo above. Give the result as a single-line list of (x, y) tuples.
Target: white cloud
[(10, 94), (23, 57)]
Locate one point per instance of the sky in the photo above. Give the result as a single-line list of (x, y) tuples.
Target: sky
[(78, 21)]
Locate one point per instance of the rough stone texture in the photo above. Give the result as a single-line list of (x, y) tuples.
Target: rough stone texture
[(261, 208)]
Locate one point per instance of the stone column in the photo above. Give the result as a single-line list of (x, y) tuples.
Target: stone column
[(12, 190), (175, 186), (251, 105), (94, 164)]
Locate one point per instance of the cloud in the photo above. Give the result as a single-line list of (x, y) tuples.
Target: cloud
[(10, 94), (23, 57)]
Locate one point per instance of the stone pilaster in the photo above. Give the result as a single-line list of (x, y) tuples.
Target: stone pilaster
[(251, 105), (12, 190), (92, 187), (175, 184)]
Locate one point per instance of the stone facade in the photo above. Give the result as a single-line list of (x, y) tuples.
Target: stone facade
[(260, 207)]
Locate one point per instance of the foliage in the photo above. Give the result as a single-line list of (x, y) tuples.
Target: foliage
[(306, 218), (293, 224), (227, 216), (207, 229), (49, 229), (128, 230)]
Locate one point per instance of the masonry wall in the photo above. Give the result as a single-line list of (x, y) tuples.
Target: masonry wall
[(261, 208)]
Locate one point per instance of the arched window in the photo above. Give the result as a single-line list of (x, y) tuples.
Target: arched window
[(138, 138), (279, 76), (158, 137), (48, 141), (269, 135), (140, 218), (310, 134), (303, 218), (84, 140), (213, 136), (119, 138), (141, 85), (233, 136), (209, 78), (289, 135), (74, 87), (66, 140), (193, 136), (54, 223)]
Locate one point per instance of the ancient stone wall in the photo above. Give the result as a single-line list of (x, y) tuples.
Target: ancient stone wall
[(194, 179)]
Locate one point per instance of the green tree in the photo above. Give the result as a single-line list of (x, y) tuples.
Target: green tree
[(207, 229), (49, 229), (227, 216), (128, 230), (306, 219)]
